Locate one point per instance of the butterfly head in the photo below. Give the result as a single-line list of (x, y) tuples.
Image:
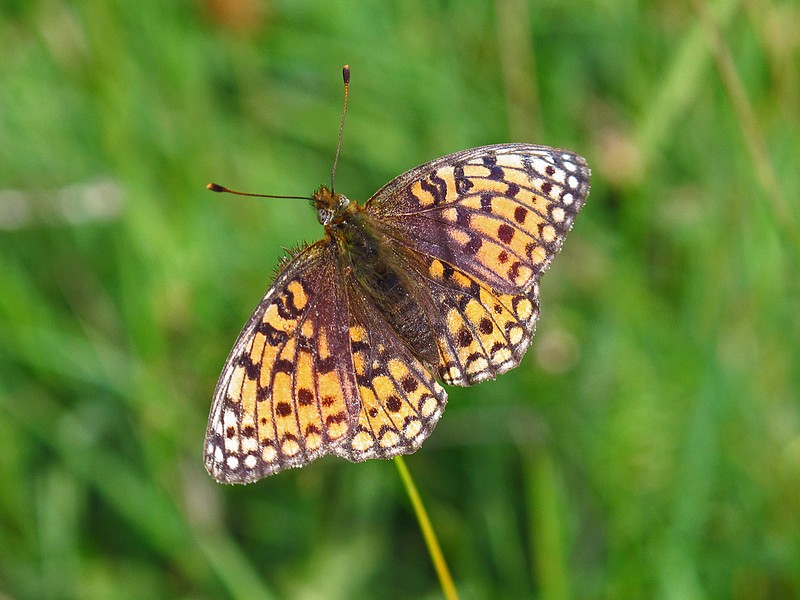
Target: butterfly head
[(331, 207)]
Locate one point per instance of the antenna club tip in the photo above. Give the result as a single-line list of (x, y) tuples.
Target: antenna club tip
[(346, 74), (214, 187)]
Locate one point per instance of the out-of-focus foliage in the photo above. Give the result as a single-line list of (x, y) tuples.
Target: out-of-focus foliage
[(648, 445)]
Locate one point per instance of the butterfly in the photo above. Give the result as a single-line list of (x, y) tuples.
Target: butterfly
[(435, 277)]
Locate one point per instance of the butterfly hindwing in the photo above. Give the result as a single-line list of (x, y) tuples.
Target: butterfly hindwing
[(401, 401), (480, 333)]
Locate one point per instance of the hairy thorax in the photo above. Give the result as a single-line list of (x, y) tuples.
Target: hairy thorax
[(380, 270)]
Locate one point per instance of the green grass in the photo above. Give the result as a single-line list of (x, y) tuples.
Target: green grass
[(647, 447)]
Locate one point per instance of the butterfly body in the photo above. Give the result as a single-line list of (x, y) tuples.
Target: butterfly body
[(380, 270), (435, 277)]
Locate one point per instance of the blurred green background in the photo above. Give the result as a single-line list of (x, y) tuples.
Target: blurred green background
[(647, 447)]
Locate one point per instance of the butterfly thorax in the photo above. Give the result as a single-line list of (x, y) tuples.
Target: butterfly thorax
[(377, 266)]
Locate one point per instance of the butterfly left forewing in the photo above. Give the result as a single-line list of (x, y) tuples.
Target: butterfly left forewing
[(287, 392)]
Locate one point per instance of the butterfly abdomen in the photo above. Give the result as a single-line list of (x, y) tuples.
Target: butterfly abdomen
[(381, 275)]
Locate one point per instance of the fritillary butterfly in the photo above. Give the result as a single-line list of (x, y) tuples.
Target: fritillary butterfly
[(436, 277)]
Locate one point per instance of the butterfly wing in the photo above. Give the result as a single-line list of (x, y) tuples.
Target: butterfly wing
[(287, 393), (401, 402), (316, 370), (487, 222), (498, 213), (480, 333)]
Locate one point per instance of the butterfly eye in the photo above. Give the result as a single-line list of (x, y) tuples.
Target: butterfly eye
[(326, 216)]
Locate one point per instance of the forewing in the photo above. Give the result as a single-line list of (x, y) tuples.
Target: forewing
[(287, 393), (499, 213)]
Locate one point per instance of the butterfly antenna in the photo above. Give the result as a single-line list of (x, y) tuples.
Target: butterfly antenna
[(346, 80), (215, 187)]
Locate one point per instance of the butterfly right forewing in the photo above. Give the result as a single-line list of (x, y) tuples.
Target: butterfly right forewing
[(499, 213)]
